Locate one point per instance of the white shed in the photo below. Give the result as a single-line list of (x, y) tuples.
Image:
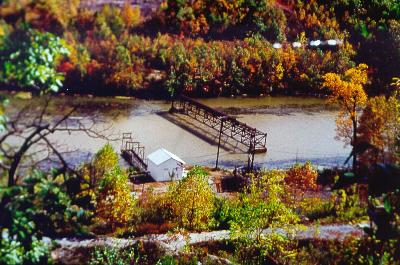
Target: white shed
[(165, 166)]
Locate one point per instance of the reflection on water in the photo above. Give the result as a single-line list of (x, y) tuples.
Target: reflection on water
[(299, 129)]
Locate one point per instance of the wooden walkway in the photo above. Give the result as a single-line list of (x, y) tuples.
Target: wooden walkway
[(252, 138)]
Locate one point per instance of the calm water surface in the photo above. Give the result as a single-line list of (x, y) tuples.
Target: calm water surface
[(299, 129)]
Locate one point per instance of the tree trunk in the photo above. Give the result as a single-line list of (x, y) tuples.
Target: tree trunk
[(354, 145), (18, 156)]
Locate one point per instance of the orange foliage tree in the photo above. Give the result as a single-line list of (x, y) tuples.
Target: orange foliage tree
[(302, 177), (348, 92)]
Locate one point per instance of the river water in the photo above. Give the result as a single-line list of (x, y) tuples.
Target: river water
[(299, 129)]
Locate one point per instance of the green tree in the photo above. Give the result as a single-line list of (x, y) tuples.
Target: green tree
[(29, 59), (259, 207), (39, 207)]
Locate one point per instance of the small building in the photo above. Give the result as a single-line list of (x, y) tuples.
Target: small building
[(165, 166)]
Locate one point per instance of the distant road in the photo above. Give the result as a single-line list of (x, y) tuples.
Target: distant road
[(146, 6)]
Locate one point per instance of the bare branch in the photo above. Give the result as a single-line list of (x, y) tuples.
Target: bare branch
[(32, 126)]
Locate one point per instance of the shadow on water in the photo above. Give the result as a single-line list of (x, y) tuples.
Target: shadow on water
[(203, 132)]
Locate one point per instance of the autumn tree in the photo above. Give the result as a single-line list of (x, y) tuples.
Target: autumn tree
[(380, 126), (191, 200), (130, 15), (106, 185), (261, 206), (348, 92), (50, 15), (301, 178), (115, 202)]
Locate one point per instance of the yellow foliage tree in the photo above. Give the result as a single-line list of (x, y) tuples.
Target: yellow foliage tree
[(380, 126), (192, 200), (259, 207), (130, 15), (105, 160), (115, 203), (348, 92)]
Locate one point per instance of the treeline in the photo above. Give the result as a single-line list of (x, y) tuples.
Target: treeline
[(207, 48)]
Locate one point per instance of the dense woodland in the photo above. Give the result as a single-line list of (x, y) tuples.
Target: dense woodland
[(202, 48)]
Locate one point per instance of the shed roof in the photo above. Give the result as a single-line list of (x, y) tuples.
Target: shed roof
[(161, 155)]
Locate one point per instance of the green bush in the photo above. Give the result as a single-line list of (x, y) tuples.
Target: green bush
[(15, 252), (181, 260), (39, 207), (167, 260), (223, 213)]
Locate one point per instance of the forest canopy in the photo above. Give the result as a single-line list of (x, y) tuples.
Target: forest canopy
[(208, 48)]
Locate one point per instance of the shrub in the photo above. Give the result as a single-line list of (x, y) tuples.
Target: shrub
[(115, 256), (167, 260), (316, 208), (372, 251), (15, 252), (351, 251), (222, 214), (153, 207), (39, 207), (43, 206), (347, 205), (182, 260)]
